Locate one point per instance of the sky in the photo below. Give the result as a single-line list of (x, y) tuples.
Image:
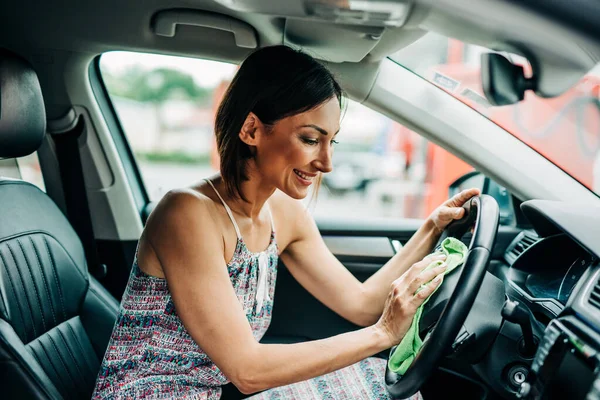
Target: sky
[(205, 73)]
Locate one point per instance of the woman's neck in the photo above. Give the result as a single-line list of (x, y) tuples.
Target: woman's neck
[(256, 192)]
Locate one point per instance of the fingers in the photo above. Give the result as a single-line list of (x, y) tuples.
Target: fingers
[(424, 293), (450, 213), (426, 276), (402, 302), (461, 198), (418, 267), (403, 289)]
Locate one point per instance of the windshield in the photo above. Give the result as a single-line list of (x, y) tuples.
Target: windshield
[(565, 129)]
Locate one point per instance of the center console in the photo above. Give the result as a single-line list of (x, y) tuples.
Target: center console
[(566, 363)]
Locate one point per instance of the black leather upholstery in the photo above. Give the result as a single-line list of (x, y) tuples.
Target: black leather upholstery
[(22, 113), (55, 320)]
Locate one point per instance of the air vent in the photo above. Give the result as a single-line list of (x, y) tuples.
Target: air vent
[(594, 299), (521, 243)]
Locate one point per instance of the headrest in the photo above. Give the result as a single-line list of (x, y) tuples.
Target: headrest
[(22, 114)]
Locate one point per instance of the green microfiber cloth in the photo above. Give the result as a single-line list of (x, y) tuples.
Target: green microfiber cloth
[(411, 343)]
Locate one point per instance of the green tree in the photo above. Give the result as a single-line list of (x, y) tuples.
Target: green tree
[(156, 87)]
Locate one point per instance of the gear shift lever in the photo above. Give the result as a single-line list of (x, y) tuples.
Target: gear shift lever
[(515, 312)]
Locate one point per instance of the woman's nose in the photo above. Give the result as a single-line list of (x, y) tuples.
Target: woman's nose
[(324, 163)]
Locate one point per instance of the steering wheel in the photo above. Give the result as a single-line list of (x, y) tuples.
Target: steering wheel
[(482, 213)]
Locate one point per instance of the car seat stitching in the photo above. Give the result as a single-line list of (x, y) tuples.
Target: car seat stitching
[(79, 369), (60, 378), (60, 357), (35, 335), (87, 361), (37, 294), (20, 234), (12, 287), (56, 278), (37, 255), (35, 355)]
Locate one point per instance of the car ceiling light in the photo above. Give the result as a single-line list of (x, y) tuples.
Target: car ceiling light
[(391, 13)]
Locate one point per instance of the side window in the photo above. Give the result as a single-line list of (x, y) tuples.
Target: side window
[(25, 168), (166, 106)]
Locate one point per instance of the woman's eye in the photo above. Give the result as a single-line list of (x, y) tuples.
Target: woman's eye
[(334, 142), (311, 142)]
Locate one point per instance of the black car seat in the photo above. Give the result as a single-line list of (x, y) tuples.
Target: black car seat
[(55, 319)]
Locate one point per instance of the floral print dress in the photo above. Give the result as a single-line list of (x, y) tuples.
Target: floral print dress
[(151, 355)]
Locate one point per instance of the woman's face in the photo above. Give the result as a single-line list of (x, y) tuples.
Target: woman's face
[(296, 149)]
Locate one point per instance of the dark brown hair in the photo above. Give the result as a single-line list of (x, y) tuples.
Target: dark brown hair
[(273, 83)]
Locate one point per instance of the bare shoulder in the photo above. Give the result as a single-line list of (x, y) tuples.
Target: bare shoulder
[(185, 206), (182, 219)]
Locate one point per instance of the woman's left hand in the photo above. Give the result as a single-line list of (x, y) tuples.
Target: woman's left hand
[(451, 209)]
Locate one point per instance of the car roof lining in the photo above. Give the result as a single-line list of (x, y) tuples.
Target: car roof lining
[(46, 34)]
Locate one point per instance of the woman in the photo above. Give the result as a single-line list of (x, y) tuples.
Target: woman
[(201, 290)]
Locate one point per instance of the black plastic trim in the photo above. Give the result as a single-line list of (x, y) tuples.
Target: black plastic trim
[(391, 228), (118, 256), (581, 15)]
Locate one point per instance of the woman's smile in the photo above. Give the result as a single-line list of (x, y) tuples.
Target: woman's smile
[(304, 177)]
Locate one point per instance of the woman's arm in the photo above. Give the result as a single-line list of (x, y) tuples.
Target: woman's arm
[(374, 288), (312, 264), (419, 245), (184, 237)]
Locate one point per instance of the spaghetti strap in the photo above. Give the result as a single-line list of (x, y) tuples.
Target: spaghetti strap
[(235, 225), (271, 216)]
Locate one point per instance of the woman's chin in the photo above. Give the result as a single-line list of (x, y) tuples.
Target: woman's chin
[(297, 193)]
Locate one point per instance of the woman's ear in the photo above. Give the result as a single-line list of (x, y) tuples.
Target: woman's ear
[(249, 133)]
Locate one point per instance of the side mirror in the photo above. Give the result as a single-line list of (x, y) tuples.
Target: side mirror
[(475, 179)]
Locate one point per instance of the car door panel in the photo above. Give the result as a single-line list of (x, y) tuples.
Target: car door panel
[(363, 248), (360, 246)]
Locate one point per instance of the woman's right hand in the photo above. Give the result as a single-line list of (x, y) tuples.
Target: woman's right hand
[(402, 302)]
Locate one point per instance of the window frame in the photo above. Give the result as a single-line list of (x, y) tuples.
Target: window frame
[(132, 171)]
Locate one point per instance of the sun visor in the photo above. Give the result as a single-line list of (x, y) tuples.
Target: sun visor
[(332, 42), (382, 13)]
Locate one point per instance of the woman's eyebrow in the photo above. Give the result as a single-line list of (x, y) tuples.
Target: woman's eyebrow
[(319, 129)]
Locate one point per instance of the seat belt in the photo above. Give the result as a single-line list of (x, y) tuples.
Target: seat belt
[(76, 201)]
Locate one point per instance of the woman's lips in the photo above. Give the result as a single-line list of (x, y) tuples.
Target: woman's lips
[(304, 178)]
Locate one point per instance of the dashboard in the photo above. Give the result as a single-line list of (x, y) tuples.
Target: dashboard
[(554, 271), (545, 271)]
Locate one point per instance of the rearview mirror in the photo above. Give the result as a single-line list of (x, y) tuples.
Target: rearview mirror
[(476, 179), (503, 82)]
